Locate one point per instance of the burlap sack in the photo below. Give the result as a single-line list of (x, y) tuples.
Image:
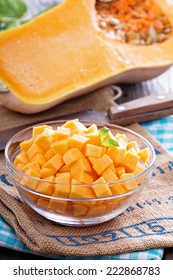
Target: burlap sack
[(148, 223)]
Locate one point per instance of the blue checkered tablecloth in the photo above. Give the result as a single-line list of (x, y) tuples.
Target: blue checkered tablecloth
[(162, 130)]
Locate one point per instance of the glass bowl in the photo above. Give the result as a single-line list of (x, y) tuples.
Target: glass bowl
[(78, 211)]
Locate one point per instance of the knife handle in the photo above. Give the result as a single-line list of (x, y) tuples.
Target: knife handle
[(142, 105)]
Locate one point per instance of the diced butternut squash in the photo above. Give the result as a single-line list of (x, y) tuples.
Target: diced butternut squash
[(93, 138), (101, 164), (117, 154), (93, 151), (84, 178), (133, 144), (92, 128), (28, 182), (57, 205), (49, 154), (20, 166), (46, 187), (62, 188), (109, 175), (78, 191), (60, 146), (77, 141), (62, 132), (44, 141), (25, 145), (144, 155), (120, 171), (40, 159), (43, 202), (37, 130), (100, 188), (139, 168), (117, 189), (46, 172), (21, 158), (130, 161), (122, 140), (130, 184), (65, 168), (79, 210), (55, 163), (98, 210), (92, 159), (80, 165), (74, 126), (72, 162), (34, 150), (33, 166), (72, 155)]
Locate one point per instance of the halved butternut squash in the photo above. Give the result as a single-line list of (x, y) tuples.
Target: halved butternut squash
[(64, 53)]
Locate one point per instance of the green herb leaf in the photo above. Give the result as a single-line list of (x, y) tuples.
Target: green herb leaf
[(110, 143), (12, 8), (103, 132)]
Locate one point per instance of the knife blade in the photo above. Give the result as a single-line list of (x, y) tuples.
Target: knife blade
[(138, 110)]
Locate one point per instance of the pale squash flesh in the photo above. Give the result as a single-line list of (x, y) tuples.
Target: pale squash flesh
[(63, 53)]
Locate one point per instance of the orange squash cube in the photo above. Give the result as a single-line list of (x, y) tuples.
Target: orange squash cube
[(62, 190), (34, 150), (78, 191), (62, 132), (92, 159), (44, 141), (100, 188), (120, 171), (49, 154), (43, 202), (117, 189), (93, 151), (109, 175), (84, 178), (40, 159), (92, 128), (74, 126), (20, 166), (46, 187), (25, 145), (33, 166), (93, 138), (30, 183), (101, 164), (144, 155), (122, 140), (130, 161), (130, 184), (55, 163), (97, 210), (60, 146), (72, 155), (139, 168), (79, 210), (21, 158), (117, 154), (46, 172), (37, 130), (77, 141), (133, 144), (65, 168), (79, 166), (58, 205)]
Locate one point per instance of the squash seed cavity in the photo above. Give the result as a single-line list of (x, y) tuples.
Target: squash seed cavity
[(137, 22)]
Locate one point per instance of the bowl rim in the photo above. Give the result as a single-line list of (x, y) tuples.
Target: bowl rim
[(10, 166)]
